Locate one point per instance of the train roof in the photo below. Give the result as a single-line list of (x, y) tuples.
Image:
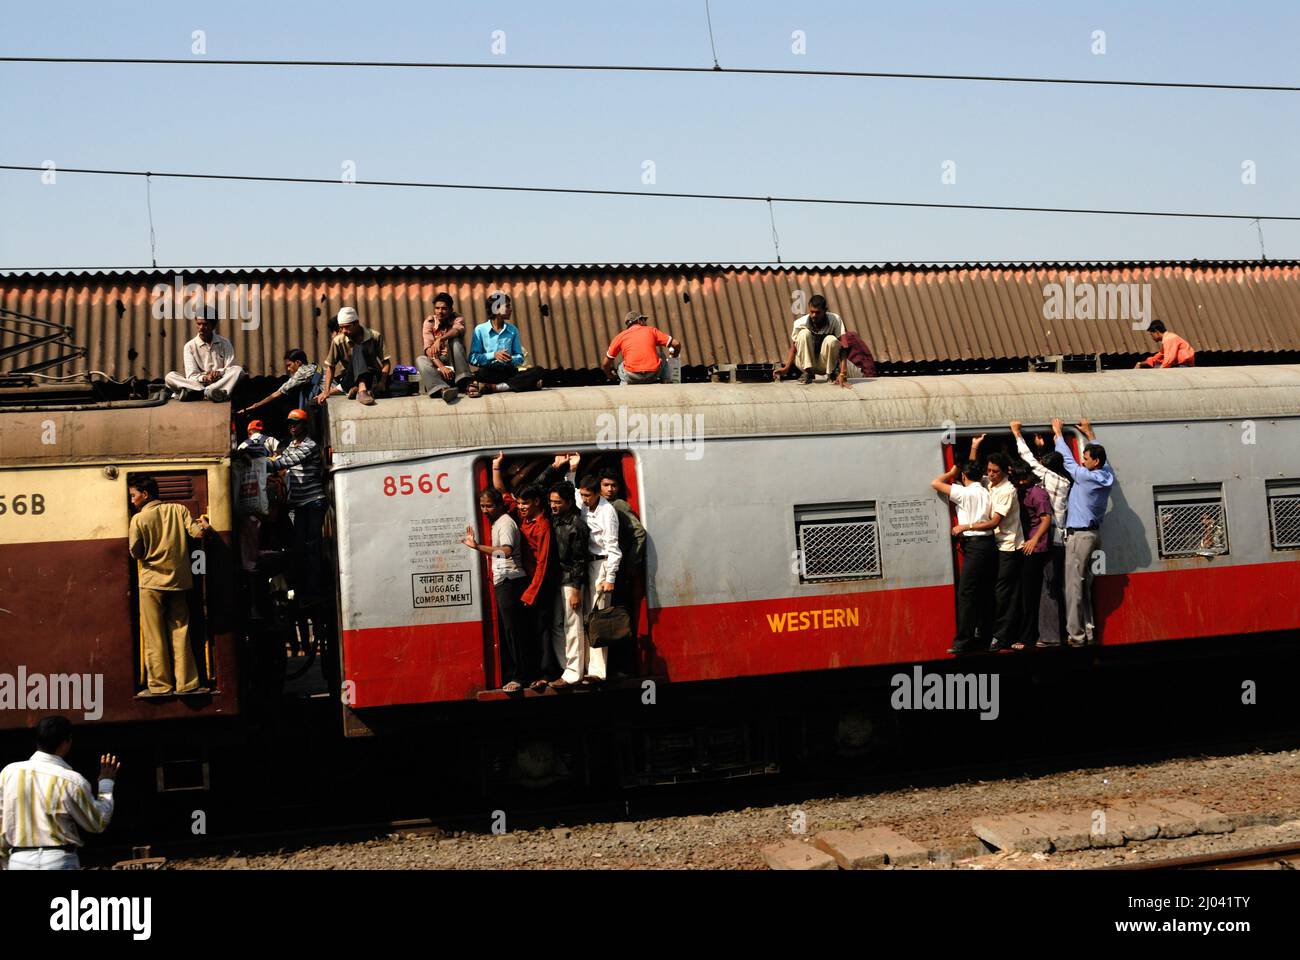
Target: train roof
[(412, 426), (133, 430)]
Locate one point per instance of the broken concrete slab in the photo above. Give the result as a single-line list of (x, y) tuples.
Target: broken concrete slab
[(1206, 820), (1011, 833), (851, 849), (1072, 831), (952, 849), (793, 855), (1168, 825), (899, 851)]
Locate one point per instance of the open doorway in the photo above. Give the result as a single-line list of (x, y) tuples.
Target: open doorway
[(615, 473)]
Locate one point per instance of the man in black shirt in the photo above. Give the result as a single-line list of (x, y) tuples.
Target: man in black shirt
[(570, 535)]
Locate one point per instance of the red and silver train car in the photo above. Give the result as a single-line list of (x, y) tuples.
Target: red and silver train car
[(793, 529)]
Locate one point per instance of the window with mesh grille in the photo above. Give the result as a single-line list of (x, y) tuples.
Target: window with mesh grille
[(837, 542), (1191, 520), (1284, 513)]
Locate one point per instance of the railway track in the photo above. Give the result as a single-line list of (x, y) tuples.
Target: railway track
[(706, 798), (1284, 856)]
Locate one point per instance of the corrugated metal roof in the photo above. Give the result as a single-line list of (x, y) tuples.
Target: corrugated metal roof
[(722, 313)]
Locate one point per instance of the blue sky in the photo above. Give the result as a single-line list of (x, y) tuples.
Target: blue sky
[(870, 139)]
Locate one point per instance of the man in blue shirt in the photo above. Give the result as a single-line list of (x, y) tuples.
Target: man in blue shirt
[(496, 354), (1084, 512)]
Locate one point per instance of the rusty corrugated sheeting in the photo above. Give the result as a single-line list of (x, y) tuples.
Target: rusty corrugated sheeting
[(724, 314)]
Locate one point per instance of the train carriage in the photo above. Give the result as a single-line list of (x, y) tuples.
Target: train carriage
[(69, 608), (793, 529)]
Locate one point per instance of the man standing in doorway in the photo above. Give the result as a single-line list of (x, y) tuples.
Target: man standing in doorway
[(1089, 495), (961, 486), (158, 538)]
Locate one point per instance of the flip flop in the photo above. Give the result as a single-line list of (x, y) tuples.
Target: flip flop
[(512, 687)]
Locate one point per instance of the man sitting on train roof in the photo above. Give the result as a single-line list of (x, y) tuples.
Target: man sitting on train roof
[(158, 539), (496, 354), (1174, 350), (210, 368), (303, 377), (443, 366), (366, 363), (639, 344), (814, 343)]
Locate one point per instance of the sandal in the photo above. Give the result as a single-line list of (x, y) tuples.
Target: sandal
[(473, 390), (512, 687), (364, 398)]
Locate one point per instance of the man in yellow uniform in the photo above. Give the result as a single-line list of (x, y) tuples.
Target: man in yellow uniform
[(158, 540)]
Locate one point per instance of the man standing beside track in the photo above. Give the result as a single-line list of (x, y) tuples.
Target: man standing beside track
[(43, 801), (158, 539), (1084, 513)]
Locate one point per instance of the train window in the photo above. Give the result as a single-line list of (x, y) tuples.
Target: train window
[(837, 541), (1191, 520), (1284, 513)]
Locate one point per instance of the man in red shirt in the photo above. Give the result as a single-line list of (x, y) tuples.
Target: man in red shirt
[(1174, 350), (541, 565), (639, 344)]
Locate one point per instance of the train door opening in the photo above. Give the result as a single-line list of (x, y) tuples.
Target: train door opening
[(626, 659), (190, 489), (1040, 443)]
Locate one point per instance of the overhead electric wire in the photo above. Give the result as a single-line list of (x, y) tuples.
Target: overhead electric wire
[(637, 68), (657, 195)]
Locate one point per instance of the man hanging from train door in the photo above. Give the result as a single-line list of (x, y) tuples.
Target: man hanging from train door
[(158, 539), (961, 486), (1086, 509)]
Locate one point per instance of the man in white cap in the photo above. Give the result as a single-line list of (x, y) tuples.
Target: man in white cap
[(366, 363), (210, 368)]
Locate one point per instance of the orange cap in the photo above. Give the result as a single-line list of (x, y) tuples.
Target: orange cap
[(297, 414), (255, 426)]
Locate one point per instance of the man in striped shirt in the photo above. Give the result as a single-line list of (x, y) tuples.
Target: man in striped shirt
[(301, 460), (43, 801)]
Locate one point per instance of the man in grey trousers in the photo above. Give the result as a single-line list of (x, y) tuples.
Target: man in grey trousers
[(1085, 511)]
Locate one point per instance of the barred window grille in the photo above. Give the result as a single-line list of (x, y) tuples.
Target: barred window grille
[(838, 542), (1284, 513), (1191, 520)]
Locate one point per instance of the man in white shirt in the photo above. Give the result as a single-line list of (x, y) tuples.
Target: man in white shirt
[(519, 658), (1004, 520), (814, 343), (602, 569), (962, 488), (210, 368), (43, 801)]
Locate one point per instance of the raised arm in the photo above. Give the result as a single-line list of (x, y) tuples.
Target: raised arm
[(1026, 454), (943, 482), (497, 480)]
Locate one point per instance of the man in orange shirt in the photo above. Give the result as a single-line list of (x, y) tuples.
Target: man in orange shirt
[(639, 344), (1174, 350)]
